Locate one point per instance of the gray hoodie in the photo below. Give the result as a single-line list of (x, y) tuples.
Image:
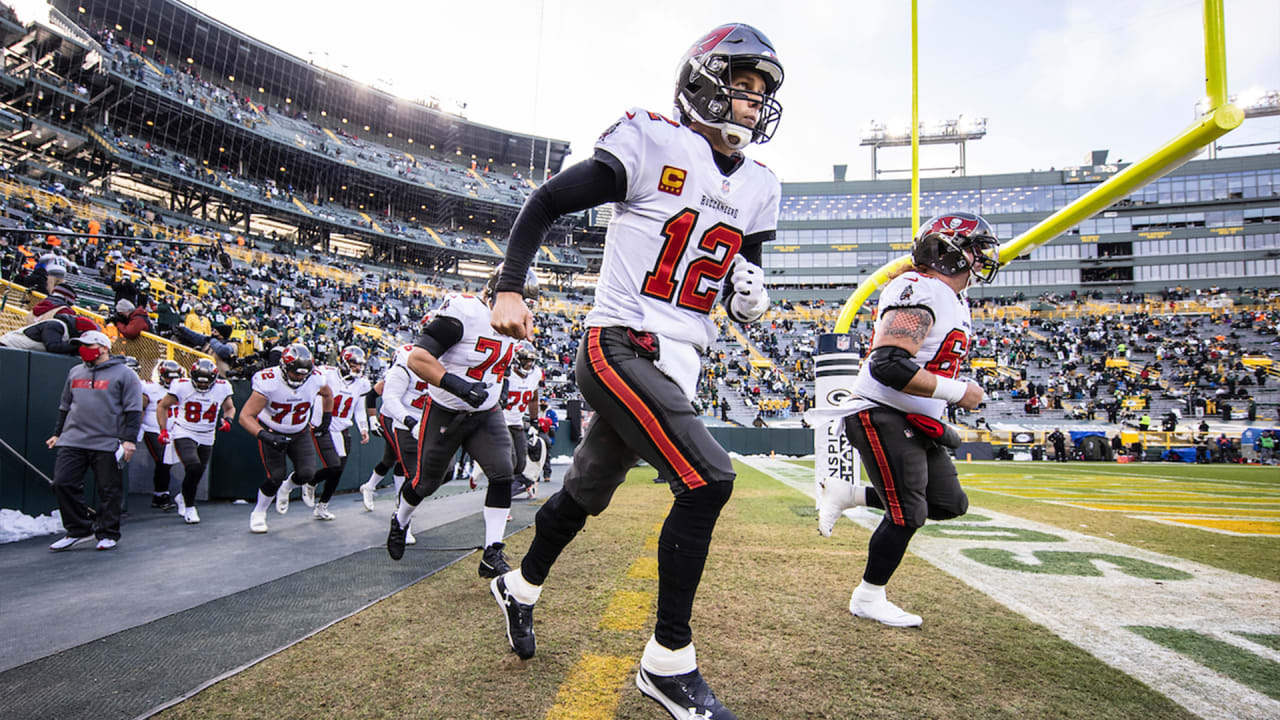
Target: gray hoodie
[(101, 406)]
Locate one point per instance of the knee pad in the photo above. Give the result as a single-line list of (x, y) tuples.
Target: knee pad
[(499, 494), (708, 499), (955, 509)]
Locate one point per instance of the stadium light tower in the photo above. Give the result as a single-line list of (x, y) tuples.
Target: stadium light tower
[(1255, 103), (948, 132)]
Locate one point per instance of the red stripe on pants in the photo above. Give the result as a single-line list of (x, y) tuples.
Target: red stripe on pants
[(886, 475), (612, 380)]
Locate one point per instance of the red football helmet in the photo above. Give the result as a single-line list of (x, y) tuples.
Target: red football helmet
[(297, 364), (942, 241)]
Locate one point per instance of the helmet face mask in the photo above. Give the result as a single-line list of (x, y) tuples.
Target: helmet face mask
[(530, 291), (958, 242), (525, 360), (351, 362), (203, 374), (167, 371), (705, 84), (296, 365)]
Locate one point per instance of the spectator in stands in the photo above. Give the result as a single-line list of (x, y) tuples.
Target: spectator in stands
[(98, 421), (56, 334), (217, 343), (167, 317), (129, 321)]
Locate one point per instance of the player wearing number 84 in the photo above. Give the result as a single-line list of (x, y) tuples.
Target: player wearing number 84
[(690, 215)]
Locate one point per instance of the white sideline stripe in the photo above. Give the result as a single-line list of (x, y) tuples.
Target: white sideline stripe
[(1103, 471), (1171, 521), (1092, 612)]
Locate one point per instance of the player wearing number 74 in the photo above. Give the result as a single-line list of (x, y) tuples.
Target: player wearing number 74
[(465, 362)]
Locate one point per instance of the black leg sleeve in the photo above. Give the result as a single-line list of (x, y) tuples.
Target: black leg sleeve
[(884, 552), (558, 522)]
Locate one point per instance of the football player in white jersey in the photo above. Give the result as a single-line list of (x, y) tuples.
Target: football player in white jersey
[(404, 395), (901, 392), (152, 393), (465, 361), (278, 414), (520, 410), (390, 453), (189, 413), (349, 386), (691, 213)]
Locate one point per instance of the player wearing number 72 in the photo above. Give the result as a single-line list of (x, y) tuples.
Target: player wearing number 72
[(465, 361), (278, 413)]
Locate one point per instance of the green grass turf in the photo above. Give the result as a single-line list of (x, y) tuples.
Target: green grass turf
[(774, 637), (1249, 555)]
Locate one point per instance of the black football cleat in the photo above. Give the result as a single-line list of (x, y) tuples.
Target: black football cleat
[(684, 697), (494, 562), (519, 618), (395, 539)]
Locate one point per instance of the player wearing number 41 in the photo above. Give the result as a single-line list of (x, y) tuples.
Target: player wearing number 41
[(899, 397), (349, 387), (690, 216), (188, 414), (278, 414), (465, 362)]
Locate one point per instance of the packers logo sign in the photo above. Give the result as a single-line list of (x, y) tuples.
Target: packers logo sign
[(672, 180)]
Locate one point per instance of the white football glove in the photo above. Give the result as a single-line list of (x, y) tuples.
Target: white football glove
[(750, 298)]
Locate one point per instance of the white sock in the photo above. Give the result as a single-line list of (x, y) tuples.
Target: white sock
[(286, 487), (374, 477), (869, 591), (860, 495), (659, 660), (399, 481), (404, 513), (522, 590), (264, 502), (495, 524)]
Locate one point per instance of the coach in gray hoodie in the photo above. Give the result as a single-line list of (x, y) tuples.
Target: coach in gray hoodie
[(98, 422)]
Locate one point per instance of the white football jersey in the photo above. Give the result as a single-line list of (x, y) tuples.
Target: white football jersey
[(195, 415), (154, 393), (348, 399), (944, 349), (482, 353), (288, 409), (520, 390), (403, 394), (670, 244)]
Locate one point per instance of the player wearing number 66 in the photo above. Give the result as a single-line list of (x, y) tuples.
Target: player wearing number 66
[(691, 213), (278, 413)]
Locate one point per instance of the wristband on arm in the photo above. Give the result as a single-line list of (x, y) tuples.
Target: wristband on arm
[(950, 390)]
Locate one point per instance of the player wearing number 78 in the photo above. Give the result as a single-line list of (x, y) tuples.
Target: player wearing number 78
[(278, 414), (691, 213), (465, 361)]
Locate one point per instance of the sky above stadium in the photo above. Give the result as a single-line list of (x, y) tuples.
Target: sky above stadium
[(1055, 78)]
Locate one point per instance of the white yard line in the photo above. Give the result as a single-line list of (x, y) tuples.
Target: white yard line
[(1094, 612)]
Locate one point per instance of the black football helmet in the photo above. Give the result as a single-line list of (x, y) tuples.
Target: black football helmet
[(529, 291), (297, 364), (132, 363), (704, 83), (942, 240), (203, 374), (167, 371), (351, 362)]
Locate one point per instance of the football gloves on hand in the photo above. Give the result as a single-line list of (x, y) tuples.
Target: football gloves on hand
[(472, 393), (750, 298), (276, 440), (163, 437), (410, 422)]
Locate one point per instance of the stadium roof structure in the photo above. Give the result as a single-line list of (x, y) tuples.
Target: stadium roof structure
[(183, 32)]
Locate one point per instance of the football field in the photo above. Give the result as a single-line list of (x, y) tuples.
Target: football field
[(1035, 605)]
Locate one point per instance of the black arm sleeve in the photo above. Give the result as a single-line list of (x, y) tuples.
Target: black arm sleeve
[(62, 420), (892, 366), (585, 185), (443, 333), (132, 424)]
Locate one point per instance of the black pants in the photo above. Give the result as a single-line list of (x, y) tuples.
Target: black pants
[(519, 449), (195, 458), (160, 476), (640, 413), (390, 457), (68, 487), (482, 434), (332, 463), (301, 450)]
